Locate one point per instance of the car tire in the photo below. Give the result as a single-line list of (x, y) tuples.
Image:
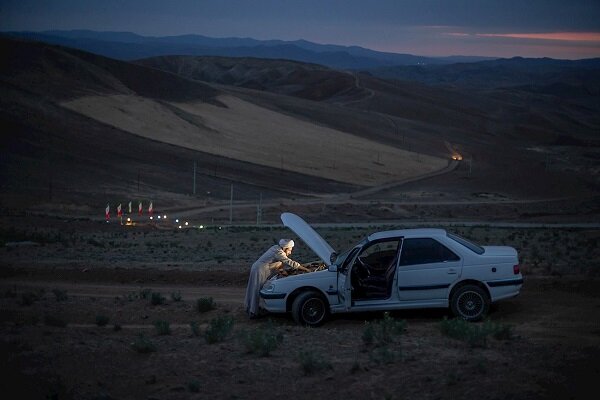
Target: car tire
[(470, 302), (310, 309)]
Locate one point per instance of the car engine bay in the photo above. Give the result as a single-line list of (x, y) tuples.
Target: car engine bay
[(312, 266)]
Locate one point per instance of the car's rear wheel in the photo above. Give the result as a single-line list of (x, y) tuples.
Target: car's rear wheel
[(310, 308), (470, 302)]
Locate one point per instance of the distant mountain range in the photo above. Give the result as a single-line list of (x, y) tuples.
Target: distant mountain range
[(130, 46), (542, 75)]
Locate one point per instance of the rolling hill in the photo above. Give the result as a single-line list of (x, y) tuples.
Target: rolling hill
[(86, 123), (83, 128), (570, 78)]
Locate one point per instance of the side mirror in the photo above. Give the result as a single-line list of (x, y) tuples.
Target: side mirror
[(332, 268), (333, 257)]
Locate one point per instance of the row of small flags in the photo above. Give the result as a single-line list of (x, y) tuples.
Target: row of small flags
[(120, 211)]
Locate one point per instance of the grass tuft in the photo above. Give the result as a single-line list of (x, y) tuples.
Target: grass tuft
[(311, 363), (195, 327), (176, 296), (475, 334), (205, 304), (61, 295), (382, 332), (263, 340), (143, 345), (193, 386), (101, 320), (219, 329), (162, 327), (157, 299)]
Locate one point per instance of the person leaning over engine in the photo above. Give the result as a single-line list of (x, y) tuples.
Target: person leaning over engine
[(275, 258)]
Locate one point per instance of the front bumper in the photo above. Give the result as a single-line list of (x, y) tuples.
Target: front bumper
[(271, 295), (273, 301)]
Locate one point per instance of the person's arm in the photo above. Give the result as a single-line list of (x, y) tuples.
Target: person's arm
[(280, 256)]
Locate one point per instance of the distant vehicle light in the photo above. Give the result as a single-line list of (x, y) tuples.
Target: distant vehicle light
[(201, 226), (177, 220), (186, 224), (179, 226), (159, 217), (164, 216), (151, 218)]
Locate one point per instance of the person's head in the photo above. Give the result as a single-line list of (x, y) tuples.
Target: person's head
[(286, 245)]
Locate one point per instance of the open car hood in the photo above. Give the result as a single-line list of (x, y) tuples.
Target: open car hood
[(308, 236)]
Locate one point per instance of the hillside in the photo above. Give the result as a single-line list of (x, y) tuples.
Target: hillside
[(309, 81), (84, 130), (85, 123), (564, 78)]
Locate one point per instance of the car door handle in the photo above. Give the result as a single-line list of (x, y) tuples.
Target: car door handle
[(451, 271)]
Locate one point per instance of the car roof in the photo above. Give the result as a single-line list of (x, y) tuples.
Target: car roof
[(407, 233)]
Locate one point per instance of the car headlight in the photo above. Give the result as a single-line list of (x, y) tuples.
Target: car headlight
[(269, 287)]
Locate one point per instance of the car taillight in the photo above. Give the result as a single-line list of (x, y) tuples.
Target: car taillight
[(516, 269)]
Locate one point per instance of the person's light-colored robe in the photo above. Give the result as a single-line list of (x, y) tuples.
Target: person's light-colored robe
[(273, 258)]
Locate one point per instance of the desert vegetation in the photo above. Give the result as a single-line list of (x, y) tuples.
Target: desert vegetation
[(541, 250)]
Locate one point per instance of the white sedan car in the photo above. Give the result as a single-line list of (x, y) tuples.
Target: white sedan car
[(394, 270)]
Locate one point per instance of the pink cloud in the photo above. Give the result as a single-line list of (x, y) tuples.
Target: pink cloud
[(561, 36)]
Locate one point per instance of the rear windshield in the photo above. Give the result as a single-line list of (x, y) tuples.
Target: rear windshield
[(470, 245)]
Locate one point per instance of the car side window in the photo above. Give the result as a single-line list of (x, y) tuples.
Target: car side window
[(379, 255), (425, 251)]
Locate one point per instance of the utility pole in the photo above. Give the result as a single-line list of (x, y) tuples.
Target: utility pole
[(138, 180), (259, 210), (194, 185), (231, 206)]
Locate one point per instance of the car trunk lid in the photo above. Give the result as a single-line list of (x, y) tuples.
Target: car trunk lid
[(499, 251)]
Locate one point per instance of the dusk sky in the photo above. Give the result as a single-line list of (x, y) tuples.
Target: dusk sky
[(567, 29)]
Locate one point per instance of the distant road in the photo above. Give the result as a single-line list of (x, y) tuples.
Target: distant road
[(369, 191)]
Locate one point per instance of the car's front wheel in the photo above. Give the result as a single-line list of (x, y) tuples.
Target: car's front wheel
[(310, 308), (470, 302)]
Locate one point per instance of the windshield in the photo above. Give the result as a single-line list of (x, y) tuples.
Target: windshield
[(470, 245), (342, 259)]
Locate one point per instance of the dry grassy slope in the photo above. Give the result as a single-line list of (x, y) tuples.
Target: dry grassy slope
[(50, 153), (135, 102), (247, 132), (55, 151)]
